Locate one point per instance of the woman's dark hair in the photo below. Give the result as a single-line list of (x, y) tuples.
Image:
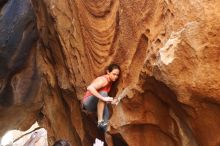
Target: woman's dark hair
[(111, 67), (61, 143)]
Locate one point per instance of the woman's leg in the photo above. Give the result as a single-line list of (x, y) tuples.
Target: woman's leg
[(100, 110), (100, 107), (105, 117), (90, 103), (106, 113)]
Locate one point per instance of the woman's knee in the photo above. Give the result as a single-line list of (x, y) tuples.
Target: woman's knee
[(104, 94)]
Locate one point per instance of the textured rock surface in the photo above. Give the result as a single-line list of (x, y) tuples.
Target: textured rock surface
[(19, 78), (168, 51)]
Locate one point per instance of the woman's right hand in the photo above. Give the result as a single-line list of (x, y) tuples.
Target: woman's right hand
[(115, 101), (107, 99)]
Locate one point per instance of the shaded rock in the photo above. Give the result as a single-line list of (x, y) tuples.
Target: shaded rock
[(167, 50), (19, 78)]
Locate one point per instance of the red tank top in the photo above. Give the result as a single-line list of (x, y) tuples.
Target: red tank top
[(107, 88)]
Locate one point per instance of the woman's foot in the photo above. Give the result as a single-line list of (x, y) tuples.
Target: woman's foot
[(102, 124)]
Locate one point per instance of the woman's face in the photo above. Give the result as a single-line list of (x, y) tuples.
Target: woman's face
[(114, 74)]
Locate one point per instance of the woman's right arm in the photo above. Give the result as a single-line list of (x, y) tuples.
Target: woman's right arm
[(98, 83)]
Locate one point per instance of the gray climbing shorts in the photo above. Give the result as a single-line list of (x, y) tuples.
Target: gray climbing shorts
[(90, 104)]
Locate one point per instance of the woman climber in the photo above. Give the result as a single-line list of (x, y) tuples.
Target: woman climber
[(96, 96)]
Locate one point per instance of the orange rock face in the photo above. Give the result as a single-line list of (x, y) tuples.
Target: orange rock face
[(169, 56)]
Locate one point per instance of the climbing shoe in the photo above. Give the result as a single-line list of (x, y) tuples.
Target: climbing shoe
[(102, 124)]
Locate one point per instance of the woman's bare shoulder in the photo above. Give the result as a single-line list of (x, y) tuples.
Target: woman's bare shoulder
[(101, 79)]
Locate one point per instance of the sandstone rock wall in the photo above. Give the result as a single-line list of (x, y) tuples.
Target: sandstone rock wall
[(168, 51)]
